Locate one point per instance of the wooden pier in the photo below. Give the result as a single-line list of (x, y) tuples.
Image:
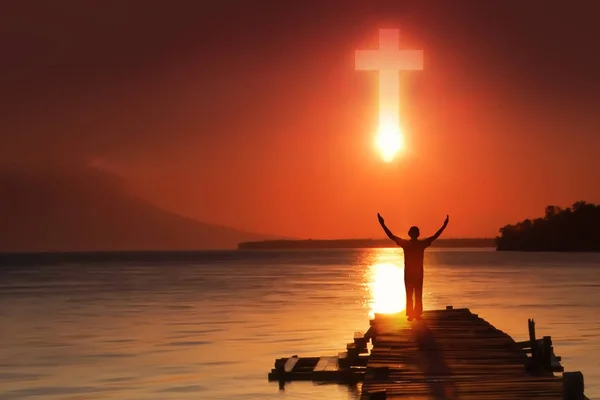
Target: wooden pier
[(449, 354)]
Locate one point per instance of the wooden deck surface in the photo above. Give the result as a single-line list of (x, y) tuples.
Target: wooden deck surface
[(450, 354)]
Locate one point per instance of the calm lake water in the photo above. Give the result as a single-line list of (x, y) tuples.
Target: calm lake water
[(212, 329)]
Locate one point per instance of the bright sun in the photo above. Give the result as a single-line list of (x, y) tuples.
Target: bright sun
[(389, 141)]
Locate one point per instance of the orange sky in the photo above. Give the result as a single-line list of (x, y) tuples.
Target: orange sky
[(264, 125)]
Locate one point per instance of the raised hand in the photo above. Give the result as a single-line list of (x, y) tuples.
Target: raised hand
[(380, 218), (447, 219)]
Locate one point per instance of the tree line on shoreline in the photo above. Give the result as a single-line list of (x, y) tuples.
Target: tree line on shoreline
[(575, 228)]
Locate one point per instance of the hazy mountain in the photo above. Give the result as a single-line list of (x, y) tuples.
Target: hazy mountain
[(70, 208)]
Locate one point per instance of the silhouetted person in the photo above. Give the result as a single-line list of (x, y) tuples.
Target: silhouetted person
[(414, 250)]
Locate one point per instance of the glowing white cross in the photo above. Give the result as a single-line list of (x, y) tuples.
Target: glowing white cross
[(389, 60)]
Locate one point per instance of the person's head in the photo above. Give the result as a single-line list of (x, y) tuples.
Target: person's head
[(413, 232)]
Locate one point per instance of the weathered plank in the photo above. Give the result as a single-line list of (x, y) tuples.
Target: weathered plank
[(327, 364), (290, 364)]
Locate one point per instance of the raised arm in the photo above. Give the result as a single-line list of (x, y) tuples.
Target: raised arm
[(439, 232), (386, 230)]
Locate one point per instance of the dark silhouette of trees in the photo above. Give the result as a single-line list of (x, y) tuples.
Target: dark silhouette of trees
[(573, 229)]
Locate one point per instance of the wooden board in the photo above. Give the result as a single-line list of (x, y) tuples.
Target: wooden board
[(327, 364), (290, 364)]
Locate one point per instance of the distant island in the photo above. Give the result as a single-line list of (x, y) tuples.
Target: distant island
[(573, 229), (354, 244)]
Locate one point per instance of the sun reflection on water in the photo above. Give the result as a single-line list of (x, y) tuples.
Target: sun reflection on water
[(385, 282)]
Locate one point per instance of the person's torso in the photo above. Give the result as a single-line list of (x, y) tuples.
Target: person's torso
[(414, 251)]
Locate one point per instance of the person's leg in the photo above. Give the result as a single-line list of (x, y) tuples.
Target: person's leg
[(409, 297), (418, 309)]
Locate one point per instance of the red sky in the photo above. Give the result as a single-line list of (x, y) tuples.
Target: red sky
[(253, 116)]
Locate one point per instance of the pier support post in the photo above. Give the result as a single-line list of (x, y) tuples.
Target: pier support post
[(534, 352), (547, 352), (573, 386)]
